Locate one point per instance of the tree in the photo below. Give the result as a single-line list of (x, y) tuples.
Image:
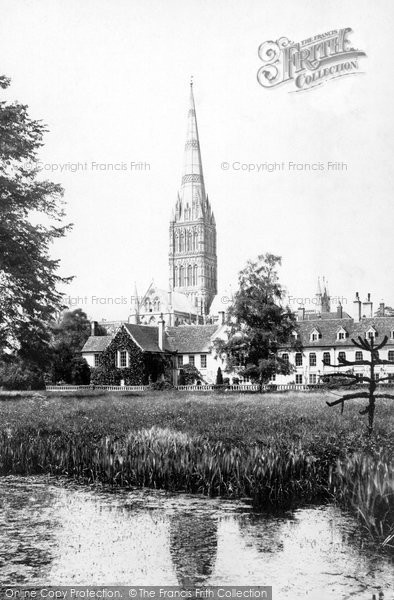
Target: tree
[(68, 338), (354, 378), (29, 295), (258, 325), (219, 377)]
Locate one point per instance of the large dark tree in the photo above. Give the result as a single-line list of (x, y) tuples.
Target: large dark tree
[(31, 213), (69, 336), (258, 323)]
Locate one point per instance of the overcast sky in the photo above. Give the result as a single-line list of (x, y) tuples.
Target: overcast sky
[(111, 79)]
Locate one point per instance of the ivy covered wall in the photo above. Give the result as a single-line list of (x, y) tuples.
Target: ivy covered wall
[(143, 366)]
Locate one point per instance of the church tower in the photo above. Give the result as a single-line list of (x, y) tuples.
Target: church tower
[(192, 254)]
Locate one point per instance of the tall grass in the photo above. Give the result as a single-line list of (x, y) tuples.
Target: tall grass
[(276, 451)]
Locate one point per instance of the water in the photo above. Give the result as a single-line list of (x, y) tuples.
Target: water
[(51, 533)]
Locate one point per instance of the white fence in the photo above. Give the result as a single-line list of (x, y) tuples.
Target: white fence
[(106, 388), (254, 387)]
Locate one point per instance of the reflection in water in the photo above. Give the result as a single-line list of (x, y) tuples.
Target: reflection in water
[(193, 545), (56, 534)]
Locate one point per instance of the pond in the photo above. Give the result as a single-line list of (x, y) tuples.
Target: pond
[(59, 534)]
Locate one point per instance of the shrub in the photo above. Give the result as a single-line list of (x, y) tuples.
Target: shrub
[(21, 376), (219, 377)]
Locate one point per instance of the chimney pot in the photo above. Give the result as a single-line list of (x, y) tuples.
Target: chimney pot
[(93, 328), (301, 313)]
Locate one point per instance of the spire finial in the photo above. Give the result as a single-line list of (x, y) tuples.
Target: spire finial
[(191, 80)]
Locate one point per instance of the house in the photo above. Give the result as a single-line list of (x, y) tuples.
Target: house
[(326, 336), (137, 354)]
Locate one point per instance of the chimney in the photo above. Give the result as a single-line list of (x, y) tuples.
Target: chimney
[(93, 328), (357, 308), (339, 311), (221, 317), (381, 309), (367, 307), (161, 332), (300, 313)]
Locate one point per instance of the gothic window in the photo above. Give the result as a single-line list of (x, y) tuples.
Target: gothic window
[(175, 276), (189, 241), (179, 244), (182, 242), (189, 275), (181, 276), (195, 275), (195, 240)]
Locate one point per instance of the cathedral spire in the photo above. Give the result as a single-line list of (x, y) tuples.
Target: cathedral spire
[(192, 253), (192, 191)]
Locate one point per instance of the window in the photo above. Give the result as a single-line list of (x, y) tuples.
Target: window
[(285, 358), (123, 358), (371, 333), (180, 361), (392, 335), (391, 355), (298, 378), (315, 335), (313, 378), (273, 377), (203, 361), (298, 359), (341, 356), (326, 358), (341, 335), (312, 359), (359, 355), (191, 360), (97, 360)]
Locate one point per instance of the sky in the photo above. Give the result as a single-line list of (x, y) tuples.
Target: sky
[(111, 81)]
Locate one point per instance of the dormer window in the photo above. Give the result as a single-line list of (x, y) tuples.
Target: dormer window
[(342, 334), (371, 334), (315, 335)]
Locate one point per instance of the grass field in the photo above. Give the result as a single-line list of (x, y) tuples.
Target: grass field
[(278, 449)]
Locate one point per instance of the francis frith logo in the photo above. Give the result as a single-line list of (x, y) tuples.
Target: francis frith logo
[(308, 63)]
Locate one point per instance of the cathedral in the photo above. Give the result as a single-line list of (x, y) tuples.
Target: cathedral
[(192, 248)]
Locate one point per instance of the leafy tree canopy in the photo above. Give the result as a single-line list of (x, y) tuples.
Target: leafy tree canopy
[(29, 297), (258, 324)]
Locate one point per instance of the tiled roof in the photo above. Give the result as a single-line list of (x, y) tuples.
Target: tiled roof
[(191, 338), (97, 343), (146, 336), (330, 327), (313, 316)]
